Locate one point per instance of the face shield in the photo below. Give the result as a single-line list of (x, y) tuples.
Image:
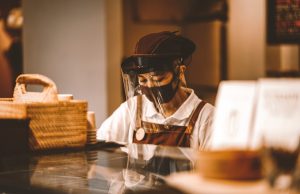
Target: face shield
[(160, 80)]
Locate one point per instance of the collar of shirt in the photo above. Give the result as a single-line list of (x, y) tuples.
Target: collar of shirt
[(182, 113)]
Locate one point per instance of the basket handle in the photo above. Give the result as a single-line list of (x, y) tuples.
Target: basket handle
[(49, 93)]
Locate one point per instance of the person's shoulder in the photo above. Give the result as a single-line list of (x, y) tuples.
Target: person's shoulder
[(208, 108), (207, 112), (208, 105), (196, 98)]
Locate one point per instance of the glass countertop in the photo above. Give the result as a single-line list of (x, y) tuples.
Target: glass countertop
[(101, 168)]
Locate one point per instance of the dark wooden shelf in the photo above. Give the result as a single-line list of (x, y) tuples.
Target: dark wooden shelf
[(283, 73)]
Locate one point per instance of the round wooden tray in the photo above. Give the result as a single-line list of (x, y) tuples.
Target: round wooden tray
[(230, 164)]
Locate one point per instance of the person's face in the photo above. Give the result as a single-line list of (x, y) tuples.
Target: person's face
[(155, 79)]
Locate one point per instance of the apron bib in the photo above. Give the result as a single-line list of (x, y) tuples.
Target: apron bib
[(168, 135)]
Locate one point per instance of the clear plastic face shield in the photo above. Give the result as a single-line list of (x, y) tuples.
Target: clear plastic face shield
[(160, 80)]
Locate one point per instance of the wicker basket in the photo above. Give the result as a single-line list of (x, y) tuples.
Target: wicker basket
[(53, 123)]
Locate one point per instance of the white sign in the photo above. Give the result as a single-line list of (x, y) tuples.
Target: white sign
[(277, 121), (233, 118)]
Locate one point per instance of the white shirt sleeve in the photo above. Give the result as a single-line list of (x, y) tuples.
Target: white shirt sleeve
[(206, 127), (116, 127)]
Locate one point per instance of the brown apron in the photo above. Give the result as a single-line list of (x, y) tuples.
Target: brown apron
[(168, 135)]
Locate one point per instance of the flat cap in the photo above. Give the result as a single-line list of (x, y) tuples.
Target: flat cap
[(164, 43), (158, 51)]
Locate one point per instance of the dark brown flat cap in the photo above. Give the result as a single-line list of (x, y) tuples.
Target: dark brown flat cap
[(164, 43), (157, 52)]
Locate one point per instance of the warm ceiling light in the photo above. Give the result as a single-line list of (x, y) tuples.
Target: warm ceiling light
[(15, 18)]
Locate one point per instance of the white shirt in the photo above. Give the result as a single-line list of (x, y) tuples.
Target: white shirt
[(119, 127)]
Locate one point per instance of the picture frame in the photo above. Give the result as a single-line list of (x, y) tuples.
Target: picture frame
[(283, 21)]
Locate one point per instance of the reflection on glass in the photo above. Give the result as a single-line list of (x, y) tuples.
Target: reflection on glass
[(148, 165), (280, 164)]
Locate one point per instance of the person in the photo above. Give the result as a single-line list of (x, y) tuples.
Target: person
[(14, 53), (159, 109), (6, 78), (6, 82)]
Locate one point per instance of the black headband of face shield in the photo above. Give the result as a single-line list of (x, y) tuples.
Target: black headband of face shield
[(146, 64)]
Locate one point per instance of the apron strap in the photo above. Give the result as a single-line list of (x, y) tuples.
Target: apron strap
[(194, 117), (138, 122)]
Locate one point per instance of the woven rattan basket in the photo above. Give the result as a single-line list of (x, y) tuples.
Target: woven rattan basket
[(53, 123)]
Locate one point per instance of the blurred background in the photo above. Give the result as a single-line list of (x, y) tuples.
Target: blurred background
[(80, 44)]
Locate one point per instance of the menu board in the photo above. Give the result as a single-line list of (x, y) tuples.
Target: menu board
[(283, 21)]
